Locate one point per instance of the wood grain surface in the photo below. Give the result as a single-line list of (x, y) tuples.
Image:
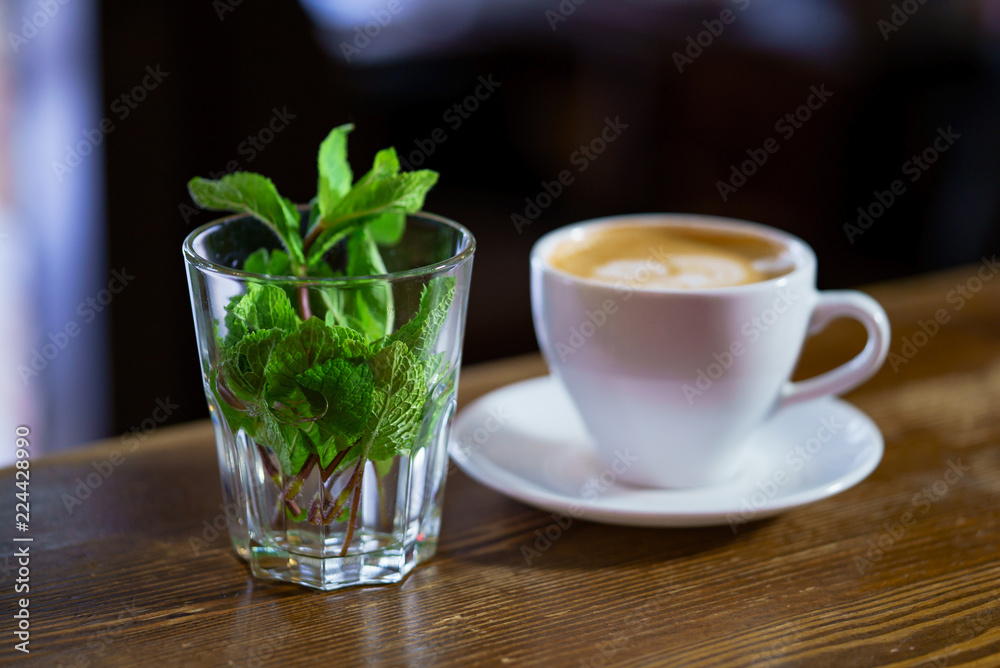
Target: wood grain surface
[(120, 578)]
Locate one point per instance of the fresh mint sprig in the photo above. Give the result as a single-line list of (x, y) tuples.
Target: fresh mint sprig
[(256, 195), (321, 379), (379, 200)]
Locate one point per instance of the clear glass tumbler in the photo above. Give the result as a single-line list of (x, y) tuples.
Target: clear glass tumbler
[(316, 503)]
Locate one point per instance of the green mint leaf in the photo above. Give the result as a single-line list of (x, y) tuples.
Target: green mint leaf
[(333, 299), (286, 414), (334, 171), (292, 451), (404, 191), (380, 199), (435, 368), (317, 380), (367, 308), (421, 332), (324, 242), (313, 212), (331, 296), (236, 329), (310, 344), (234, 418), (397, 402), (242, 368), (341, 393), (253, 194), (243, 364), (280, 264), (440, 403), (383, 467), (260, 424), (272, 263), (265, 306), (387, 228), (384, 166), (349, 343), (256, 262), (363, 258)]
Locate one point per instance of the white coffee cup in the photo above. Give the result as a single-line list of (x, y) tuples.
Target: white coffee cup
[(677, 379)]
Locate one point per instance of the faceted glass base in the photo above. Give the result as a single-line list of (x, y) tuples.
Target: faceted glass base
[(388, 565)]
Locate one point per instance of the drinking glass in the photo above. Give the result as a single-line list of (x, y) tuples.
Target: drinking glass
[(354, 521)]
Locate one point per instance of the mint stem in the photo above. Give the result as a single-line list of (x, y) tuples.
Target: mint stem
[(328, 471), (285, 506), (380, 486), (304, 309), (269, 466), (312, 236), (316, 512), (330, 515), (296, 484), (226, 394), (354, 511)]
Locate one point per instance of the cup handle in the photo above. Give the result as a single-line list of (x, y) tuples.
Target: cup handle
[(830, 305)]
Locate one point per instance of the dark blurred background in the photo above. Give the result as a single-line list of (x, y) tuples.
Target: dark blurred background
[(107, 109)]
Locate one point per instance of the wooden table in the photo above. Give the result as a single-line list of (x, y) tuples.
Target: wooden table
[(121, 580)]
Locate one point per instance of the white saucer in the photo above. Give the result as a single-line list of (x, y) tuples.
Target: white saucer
[(527, 441)]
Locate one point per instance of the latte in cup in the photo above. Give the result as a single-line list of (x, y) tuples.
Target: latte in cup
[(676, 336), (674, 257)]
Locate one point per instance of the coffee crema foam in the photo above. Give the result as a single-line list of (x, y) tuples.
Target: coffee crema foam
[(666, 256)]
